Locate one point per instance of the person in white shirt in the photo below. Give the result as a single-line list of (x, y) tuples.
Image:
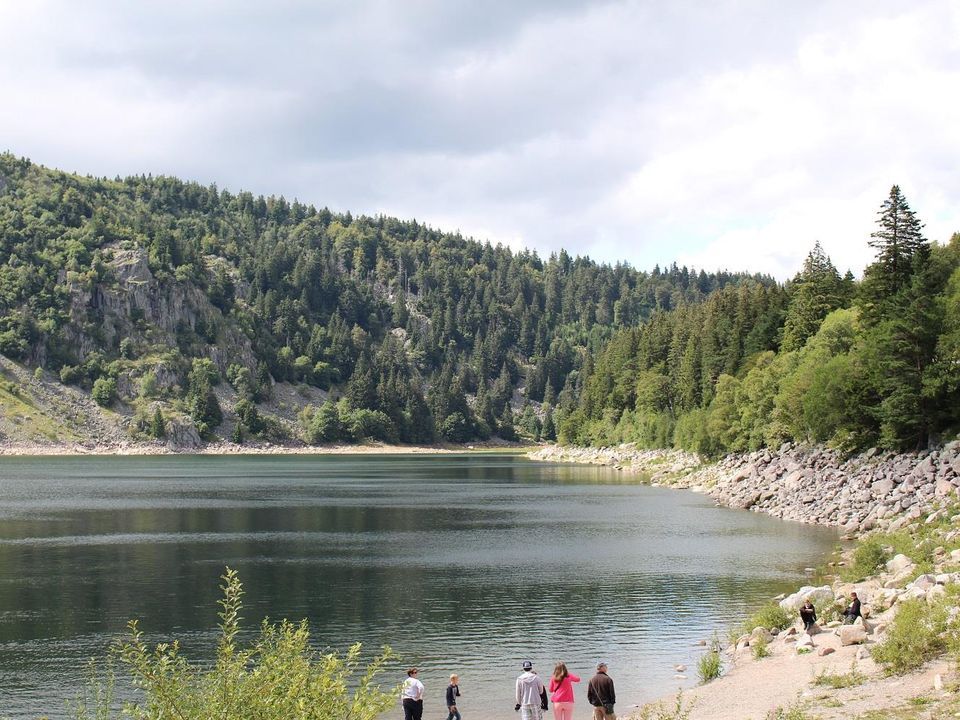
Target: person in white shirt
[(411, 695), (529, 691)]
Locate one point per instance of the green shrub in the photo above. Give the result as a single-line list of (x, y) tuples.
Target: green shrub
[(770, 616), (105, 391), (279, 677), (868, 558), (148, 384), (709, 666), (760, 648), (71, 374), (916, 635)]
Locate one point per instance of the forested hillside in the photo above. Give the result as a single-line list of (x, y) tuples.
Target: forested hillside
[(172, 302), (874, 363)]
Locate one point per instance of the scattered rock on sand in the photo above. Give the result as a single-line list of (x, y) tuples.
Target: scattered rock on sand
[(852, 635)]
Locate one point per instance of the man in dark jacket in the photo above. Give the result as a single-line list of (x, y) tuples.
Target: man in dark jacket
[(852, 612), (601, 695)]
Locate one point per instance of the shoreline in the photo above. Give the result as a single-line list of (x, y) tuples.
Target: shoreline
[(809, 484), (227, 448)]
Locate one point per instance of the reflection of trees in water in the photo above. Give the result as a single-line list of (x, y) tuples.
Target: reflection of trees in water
[(473, 557)]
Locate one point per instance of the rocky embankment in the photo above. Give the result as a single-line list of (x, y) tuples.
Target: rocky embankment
[(812, 485)]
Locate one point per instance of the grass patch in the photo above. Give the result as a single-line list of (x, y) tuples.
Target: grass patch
[(677, 711), (841, 680), (760, 648), (793, 712), (19, 408), (918, 708), (709, 666)]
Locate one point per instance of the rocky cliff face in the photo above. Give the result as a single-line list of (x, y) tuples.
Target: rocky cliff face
[(813, 485), (133, 303)]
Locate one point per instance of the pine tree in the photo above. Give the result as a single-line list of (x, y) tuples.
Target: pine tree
[(157, 427), (361, 390), (897, 241), (902, 320), (817, 291), (549, 431)]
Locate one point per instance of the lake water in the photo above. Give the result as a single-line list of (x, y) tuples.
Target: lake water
[(460, 563)]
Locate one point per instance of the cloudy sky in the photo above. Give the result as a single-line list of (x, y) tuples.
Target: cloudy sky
[(726, 134)]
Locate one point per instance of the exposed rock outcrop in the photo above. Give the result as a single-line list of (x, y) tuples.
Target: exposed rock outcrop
[(144, 308)]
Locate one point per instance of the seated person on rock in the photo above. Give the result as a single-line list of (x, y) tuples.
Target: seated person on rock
[(852, 612), (808, 615)]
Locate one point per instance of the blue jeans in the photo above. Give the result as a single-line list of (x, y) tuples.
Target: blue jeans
[(454, 715)]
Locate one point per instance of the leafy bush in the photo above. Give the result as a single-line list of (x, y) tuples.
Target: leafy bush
[(867, 559), (71, 374), (321, 425), (770, 616), (916, 635), (374, 424), (279, 677), (105, 391), (148, 384)]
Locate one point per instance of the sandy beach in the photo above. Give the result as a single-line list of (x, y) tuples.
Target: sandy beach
[(750, 689)]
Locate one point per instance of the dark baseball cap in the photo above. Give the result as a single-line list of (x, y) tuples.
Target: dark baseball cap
[(527, 665)]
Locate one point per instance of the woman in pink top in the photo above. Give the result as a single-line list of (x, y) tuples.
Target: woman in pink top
[(561, 692)]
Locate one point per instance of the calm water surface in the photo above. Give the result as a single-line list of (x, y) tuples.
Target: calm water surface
[(461, 563)]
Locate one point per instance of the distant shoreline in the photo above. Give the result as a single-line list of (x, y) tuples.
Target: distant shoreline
[(20, 449)]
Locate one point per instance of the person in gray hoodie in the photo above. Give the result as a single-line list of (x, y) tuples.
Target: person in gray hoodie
[(529, 691)]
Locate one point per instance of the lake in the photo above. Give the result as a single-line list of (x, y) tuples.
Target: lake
[(462, 563)]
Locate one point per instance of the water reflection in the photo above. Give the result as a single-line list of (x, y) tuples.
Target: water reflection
[(461, 563)]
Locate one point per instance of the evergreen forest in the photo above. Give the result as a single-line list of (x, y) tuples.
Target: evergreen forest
[(170, 301), (874, 363)]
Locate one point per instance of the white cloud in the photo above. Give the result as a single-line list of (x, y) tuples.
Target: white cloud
[(733, 134)]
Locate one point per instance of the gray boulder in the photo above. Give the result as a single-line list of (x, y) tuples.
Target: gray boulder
[(852, 635)]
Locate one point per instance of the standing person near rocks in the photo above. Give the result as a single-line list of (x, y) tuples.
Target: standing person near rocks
[(453, 692), (808, 614), (529, 689), (601, 695), (852, 612), (561, 689), (411, 694)]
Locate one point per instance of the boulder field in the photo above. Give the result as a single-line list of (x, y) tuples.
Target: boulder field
[(808, 484)]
